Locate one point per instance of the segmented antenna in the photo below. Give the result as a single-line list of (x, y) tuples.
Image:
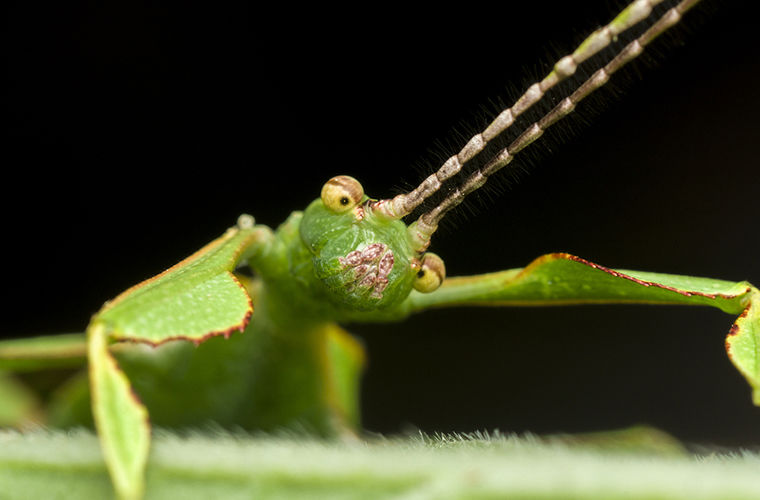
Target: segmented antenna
[(425, 226), (404, 204)]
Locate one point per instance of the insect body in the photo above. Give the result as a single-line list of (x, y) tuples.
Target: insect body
[(338, 262), (347, 258)]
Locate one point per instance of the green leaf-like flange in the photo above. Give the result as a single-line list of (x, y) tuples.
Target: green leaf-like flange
[(194, 300), (32, 354), (563, 279), (743, 344), (120, 418)]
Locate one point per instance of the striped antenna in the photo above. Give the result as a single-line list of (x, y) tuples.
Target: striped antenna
[(404, 204), (423, 228)]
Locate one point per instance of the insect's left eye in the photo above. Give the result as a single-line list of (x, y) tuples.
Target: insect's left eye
[(342, 193), (431, 274)]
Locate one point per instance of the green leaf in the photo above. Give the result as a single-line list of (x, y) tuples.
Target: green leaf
[(563, 279), (69, 465)]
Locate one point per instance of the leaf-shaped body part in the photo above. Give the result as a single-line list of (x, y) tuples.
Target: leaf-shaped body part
[(120, 417), (743, 344), (563, 279), (195, 299), (53, 351)]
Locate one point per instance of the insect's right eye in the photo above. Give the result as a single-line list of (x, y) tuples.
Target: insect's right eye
[(342, 193), (431, 274)]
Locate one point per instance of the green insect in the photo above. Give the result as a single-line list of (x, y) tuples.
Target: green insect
[(199, 343)]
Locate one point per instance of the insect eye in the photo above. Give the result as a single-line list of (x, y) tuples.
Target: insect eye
[(342, 193), (431, 274)]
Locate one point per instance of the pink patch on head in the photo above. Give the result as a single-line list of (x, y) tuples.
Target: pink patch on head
[(368, 280), (372, 252), (351, 259), (368, 269), (360, 271), (380, 284), (385, 265)]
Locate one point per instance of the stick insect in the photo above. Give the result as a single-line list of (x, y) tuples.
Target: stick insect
[(96, 331)]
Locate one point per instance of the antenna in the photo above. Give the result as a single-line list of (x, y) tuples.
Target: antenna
[(403, 204)]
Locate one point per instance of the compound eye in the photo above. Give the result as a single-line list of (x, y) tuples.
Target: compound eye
[(431, 274), (342, 193)]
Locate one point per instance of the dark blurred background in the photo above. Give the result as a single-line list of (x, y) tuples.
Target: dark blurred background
[(137, 133)]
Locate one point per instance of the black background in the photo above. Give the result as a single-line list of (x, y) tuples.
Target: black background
[(138, 133)]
